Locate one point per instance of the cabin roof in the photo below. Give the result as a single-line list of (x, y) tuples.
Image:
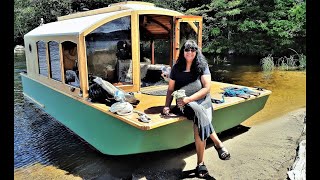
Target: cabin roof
[(75, 24)]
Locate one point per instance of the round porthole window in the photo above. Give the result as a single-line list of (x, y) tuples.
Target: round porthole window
[(30, 49)]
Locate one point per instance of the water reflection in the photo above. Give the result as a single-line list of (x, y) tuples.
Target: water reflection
[(45, 149)]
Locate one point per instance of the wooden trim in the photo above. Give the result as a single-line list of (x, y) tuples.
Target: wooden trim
[(198, 30), (82, 67), (152, 51), (48, 60), (61, 64), (106, 20), (135, 49), (189, 18), (55, 85), (30, 59), (200, 34), (176, 45), (191, 23), (125, 87)]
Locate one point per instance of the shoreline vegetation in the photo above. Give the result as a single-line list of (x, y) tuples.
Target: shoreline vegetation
[(293, 62)]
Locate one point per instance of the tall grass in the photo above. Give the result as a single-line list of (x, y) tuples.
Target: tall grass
[(268, 66), (302, 61), (293, 62), (287, 63), (218, 60), (267, 63)]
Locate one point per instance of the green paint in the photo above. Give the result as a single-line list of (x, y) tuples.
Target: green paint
[(232, 116), (114, 137)]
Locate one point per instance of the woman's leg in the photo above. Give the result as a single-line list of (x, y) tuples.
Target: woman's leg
[(222, 151), (214, 137), (201, 169), (200, 145)]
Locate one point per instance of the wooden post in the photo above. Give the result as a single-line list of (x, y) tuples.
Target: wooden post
[(48, 60), (83, 70), (135, 45), (152, 51), (176, 40), (61, 63)]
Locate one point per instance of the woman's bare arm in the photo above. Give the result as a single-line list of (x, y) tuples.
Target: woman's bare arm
[(206, 82)]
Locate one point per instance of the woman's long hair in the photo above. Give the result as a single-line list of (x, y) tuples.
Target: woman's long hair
[(198, 64)]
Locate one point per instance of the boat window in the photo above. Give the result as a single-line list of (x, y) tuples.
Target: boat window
[(54, 60), (109, 51), (70, 63), (155, 49), (188, 32), (42, 58), (162, 51)]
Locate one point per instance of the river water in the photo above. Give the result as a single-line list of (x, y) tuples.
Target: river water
[(45, 149)]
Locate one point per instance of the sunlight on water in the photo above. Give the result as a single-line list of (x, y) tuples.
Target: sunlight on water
[(288, 92)]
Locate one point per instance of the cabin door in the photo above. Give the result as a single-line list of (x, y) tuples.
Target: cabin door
[(186, 27)]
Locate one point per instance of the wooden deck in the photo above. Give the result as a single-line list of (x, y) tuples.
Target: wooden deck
[(153, 105)]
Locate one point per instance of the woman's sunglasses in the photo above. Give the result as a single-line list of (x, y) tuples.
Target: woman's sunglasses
[(190, 49)]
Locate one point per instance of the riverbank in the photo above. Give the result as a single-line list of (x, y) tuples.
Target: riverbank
[(262, 151)]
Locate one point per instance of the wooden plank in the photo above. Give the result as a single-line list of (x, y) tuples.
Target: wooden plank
[(189, 18), (82, 66), (200, 34), (48, 60), (135, 45), (176, 40), (61, 64), (56, 85), (152, 51)]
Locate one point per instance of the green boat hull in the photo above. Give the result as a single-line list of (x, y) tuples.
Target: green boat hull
[(115, 137)]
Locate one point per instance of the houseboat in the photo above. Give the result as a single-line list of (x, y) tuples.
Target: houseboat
[(127, 45)]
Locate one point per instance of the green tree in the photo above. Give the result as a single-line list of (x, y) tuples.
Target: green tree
[(258, 27)]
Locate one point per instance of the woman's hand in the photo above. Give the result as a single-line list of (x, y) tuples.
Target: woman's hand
[(183, 101), (166, 110)]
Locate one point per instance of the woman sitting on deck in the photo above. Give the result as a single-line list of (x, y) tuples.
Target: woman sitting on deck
[(192, 69)]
